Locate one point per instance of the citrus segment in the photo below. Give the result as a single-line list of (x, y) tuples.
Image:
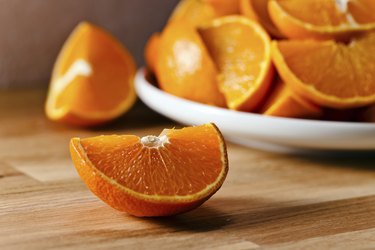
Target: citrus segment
[(151, 51), (284, 103), (153, 176), (257, 10), (92, 80), (329, 73), (322, 19), (240, 49), (184, 67)]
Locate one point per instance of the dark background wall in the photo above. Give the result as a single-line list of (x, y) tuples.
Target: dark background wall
[(33, 31)]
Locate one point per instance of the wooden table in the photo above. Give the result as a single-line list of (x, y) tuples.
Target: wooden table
[(269, 200)]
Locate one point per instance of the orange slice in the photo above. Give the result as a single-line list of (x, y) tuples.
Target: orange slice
[(284, 103), (241, 50), (153, 176), (184, 67), (257, 10), (197, 12), (92, 80), (322, 19), (328, 73), (151, 51)]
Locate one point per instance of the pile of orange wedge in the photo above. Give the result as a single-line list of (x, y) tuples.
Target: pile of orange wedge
[(291, 58)]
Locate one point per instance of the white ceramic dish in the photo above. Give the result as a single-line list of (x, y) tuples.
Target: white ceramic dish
[(257, 130)]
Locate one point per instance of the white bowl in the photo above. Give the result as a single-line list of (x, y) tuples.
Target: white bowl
[(256, 130)]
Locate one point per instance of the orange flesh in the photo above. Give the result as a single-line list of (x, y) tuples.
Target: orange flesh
[(328, 12), (241, 53), (185, 165), (316, 12), (334, 69)]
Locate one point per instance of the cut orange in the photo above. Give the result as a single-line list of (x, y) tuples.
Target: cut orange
[(197, 12), (284, 103), (241, 50), (257, 10), (153, 176), (322, 19), (92, 80), (328, 73), (151, 51), (184, 67)]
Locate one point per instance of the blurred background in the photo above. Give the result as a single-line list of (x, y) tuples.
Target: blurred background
[(32, 32)]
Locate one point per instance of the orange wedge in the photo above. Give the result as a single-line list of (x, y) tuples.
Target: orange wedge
[(241, 50), (151, 51), (92, 80), (328, 73), (153, 176), (322, 19), (184, 67), (284, 103), (257, 10)]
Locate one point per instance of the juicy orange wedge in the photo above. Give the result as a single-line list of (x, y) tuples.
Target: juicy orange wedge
[(257, 10), (284, 103), (153, 176), (322, 19), (241, 51), (329, 73), (92, 80), (184, 67)]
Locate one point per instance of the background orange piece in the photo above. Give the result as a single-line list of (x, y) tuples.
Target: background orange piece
[(322, 19), (284, 103), (92, 80), (241, 50), (151, 51), (153, 176), (184, 66), (329, 73)]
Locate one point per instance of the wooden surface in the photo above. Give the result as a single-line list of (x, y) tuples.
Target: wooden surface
[(269, 200)]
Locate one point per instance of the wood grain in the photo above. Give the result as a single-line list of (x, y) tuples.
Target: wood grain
[(269, 200)]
